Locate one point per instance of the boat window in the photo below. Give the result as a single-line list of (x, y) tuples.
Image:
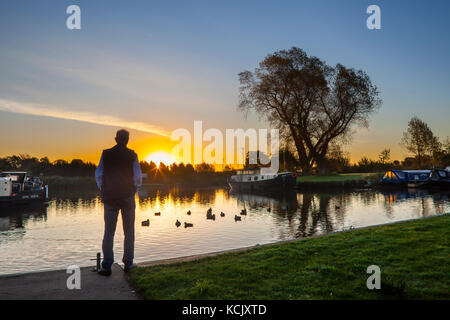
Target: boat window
[(419, 176), (390, 175), (256, 178), (442, 174), (401, 175), (16, 178), (249, 179)]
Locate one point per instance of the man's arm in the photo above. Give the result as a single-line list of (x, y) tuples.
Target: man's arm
[(99, 173), (137, 173)]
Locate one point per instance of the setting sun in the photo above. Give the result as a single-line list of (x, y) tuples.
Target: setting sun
[(160, 156)]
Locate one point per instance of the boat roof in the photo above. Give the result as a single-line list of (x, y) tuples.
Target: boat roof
[(258, 171), (411, 171), (15, 172)]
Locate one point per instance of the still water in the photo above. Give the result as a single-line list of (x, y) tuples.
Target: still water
[(69, 229)]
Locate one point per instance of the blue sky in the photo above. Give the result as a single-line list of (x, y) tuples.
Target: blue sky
[(160, 65)]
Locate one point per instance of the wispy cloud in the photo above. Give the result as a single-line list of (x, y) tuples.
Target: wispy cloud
[(51, 111)]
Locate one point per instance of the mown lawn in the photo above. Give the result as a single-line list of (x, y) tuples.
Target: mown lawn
[(413, 257), (333, 177)]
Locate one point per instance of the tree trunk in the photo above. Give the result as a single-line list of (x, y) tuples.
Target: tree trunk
[(323, 165), (304, 162), (306, 170)]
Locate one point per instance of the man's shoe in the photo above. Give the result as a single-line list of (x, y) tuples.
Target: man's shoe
[(130, 267), (104, 272)]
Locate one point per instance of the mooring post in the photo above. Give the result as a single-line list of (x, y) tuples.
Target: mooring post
[(98, 260)]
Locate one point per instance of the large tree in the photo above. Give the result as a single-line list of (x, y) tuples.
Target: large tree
[(312, 103), (420, 140)]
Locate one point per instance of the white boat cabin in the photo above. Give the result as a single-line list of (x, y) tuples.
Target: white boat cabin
[(252, 175)]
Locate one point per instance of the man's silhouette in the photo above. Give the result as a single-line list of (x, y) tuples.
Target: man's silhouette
[(118, 176)]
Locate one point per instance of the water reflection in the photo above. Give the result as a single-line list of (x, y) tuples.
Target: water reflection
[(70, 229), (429, 202), (17, 217), (176, 195)]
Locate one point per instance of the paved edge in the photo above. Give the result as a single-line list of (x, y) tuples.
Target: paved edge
[(52, 285)]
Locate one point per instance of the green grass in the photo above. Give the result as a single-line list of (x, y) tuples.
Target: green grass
[(69, 182), (413, 257), (333, 177)]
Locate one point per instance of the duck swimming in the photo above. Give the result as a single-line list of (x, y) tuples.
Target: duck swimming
[(243, 212), (188, 225), (222, 214), (157, 213), (237, 218), (189, 212), (178, 223), (146, 223)]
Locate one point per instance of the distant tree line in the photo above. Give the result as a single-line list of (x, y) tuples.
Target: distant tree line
[(174, 173), (184, 173), (37, 166), (426, 151)]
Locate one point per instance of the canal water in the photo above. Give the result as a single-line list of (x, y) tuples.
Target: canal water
[(69, 229)]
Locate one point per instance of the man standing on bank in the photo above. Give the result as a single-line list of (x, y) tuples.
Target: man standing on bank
[(118, 176)]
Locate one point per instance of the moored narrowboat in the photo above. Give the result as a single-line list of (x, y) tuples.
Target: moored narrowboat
[(408, 178), (439, 178), (258, 179), (418, 178), (394, 177), (21, 187)]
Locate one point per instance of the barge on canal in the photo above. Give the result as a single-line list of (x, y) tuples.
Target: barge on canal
[(435, 178), (21, 187), (261, 179)]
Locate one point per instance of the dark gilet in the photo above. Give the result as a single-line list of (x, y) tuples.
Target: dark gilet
[(118, 182)]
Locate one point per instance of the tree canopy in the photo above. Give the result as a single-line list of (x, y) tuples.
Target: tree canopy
[(312, 103), (420, 140)]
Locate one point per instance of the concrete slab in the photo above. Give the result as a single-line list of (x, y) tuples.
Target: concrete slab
[(52, 285)]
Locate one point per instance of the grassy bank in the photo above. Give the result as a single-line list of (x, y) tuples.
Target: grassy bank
[(64, 183), (333, 181), (413, 257), (332, 177)]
